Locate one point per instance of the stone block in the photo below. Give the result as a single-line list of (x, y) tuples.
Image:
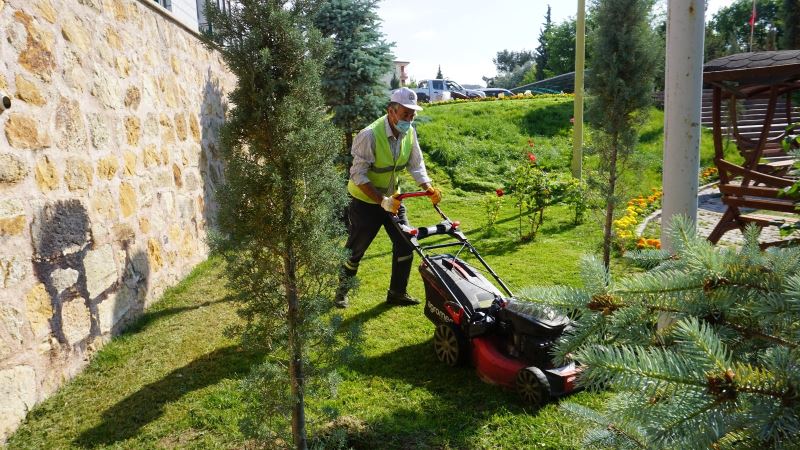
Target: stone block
[(127, 199), (151, 126), (100, 269), (144, 225), (154, 256), (70, 126), (78, 174), (28, 92), (107, 167), (39, 310), (103, 203), (46, 10), (133, 130), (180, 126), (174, 234), (45, 174), (13, 270), (113, 38), (130, 163), (176, 175), (12, 169), (76, 320), (106, 88), (123, 66), (114, 308), (12, 217), (169, 90), (12, 321), (75, 32), (98, 127), (133, 97), (37, 56), (25, 132), (63, 279), (151, 157), (17, 397)]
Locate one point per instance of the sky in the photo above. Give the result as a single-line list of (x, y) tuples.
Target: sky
[(464, 35)]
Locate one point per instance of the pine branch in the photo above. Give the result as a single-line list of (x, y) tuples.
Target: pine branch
[(638, 369), (698, 341), (752, 333)]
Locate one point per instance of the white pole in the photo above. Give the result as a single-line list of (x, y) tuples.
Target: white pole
[(580, 44), (682, 102)]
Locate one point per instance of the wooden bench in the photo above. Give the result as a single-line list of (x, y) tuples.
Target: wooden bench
[(760, 79)]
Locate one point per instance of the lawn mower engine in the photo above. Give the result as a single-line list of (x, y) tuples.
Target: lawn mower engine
[(507, 344)]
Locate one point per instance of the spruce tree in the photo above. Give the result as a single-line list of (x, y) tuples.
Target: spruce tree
[(278, 208), (542, 50), (620, 84), (439, 75), (354, 72), (702, 349)]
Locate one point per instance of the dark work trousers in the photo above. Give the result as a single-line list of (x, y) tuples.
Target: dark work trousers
[(365, 221)]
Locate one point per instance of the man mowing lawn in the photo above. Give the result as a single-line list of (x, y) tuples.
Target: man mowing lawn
[(381, 151)]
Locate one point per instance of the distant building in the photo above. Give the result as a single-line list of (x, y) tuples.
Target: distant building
[(190, 12), (399, 72)]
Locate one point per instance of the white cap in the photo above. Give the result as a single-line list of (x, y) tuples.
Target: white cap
[(405, 97)]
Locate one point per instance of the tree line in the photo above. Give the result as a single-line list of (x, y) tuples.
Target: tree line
[(776, 27)]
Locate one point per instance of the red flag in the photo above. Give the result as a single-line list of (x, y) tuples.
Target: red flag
[(753, 16)]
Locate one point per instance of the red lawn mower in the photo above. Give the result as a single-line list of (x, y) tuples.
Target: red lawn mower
[(477, 323)]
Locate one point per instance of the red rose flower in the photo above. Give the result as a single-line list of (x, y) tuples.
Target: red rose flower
[(532, 158), (499, 192)]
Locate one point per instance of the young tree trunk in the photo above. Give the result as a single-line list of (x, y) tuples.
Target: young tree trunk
[(296, 374), (348, 142), (296, 359), (612, 181)]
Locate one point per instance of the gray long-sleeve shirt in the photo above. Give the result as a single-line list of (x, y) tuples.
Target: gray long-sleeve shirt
[(363, 152)]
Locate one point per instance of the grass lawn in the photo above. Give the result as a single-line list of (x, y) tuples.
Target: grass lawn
[(171, 379)]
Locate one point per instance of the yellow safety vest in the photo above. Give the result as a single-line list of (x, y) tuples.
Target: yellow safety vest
[(383, 172)]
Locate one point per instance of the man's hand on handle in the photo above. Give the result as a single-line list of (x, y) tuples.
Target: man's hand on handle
[(436, 194), (390, 204)]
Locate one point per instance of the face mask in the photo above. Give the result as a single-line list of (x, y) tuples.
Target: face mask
[(403, 126)]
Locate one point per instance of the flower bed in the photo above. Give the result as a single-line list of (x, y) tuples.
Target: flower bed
[(625, 227)]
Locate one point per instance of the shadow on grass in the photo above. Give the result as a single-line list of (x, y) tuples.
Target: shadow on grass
[(151, 317), (454, 410), (125, 419), (364, 316), (550, 120)]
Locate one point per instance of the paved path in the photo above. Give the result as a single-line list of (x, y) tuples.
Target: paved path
[(709, 211)]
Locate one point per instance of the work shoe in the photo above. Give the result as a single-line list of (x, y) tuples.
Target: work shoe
[(340, 301), (400, 299)]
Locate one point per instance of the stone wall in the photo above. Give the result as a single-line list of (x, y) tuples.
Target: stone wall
[(107, 167)]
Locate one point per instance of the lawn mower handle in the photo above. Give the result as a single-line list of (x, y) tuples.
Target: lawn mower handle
[(421, 194)]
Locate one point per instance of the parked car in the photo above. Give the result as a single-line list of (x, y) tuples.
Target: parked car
[(495, 92), (458, 91), (432, 91)]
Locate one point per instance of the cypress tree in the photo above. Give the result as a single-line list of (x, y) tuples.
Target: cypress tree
[(791, 25), (542, 52), (278, 207), (620, 84), (354, 72), (702, 349)]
